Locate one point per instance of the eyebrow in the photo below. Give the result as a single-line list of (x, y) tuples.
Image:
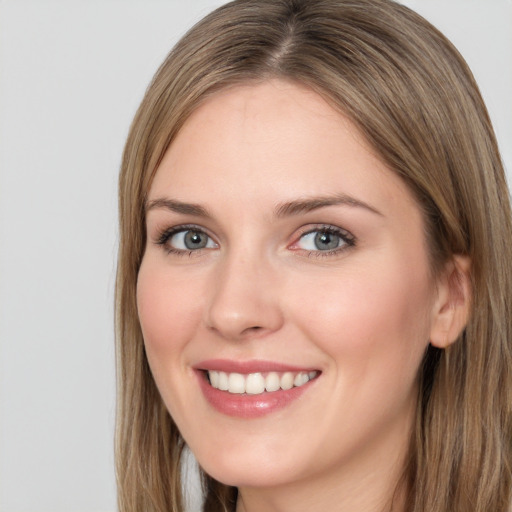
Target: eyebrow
[(287, 209), (314, 203), (177, 207)]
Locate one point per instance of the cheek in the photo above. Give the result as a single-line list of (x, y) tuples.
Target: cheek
[(371, 321), (169, 313), (168, 310), (374, 329)]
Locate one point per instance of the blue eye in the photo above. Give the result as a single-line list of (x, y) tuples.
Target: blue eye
[(324, 240), (186, 240)]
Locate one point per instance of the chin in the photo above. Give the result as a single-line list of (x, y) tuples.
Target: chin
[(247, 476), (243, 470)]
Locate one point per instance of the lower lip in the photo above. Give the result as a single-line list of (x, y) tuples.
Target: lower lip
[(249, 406)]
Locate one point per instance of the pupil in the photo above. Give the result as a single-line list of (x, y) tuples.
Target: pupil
[(326, 241), (195, 240)]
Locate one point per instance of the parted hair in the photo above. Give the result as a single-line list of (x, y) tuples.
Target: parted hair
[(413, 97)]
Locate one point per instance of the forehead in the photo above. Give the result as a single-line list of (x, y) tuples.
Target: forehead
[(272, 141)]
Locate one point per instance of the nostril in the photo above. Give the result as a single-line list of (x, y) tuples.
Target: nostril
[(255, 328), (249, 331)]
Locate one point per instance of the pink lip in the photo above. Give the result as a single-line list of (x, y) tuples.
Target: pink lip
[(243, 405), (246, 367)]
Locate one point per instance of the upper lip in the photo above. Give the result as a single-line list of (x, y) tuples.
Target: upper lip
[(245, 367)]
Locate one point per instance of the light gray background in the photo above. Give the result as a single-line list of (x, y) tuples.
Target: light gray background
[(71, 75)]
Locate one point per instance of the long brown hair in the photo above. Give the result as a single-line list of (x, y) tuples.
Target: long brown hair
[(413, 97)]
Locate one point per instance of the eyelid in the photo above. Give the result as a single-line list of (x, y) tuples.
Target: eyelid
[(346, 236), (349, 240), (164, 235)]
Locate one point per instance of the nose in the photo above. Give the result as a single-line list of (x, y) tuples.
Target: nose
[(244, 299)]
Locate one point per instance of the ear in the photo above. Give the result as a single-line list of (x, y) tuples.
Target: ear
[(453, 302)]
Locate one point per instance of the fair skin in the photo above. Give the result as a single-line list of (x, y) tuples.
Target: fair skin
[(276, 235)]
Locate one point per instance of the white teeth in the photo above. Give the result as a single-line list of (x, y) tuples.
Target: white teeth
[(272, 382), (300, 379), (254, 384), (236, 383), (214, 378), (287, 380), (257, 383), (223, 381)]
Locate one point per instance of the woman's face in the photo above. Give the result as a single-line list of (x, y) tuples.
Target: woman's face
[(279, 246)]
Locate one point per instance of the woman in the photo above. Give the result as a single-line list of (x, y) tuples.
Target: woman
[(314, 284)]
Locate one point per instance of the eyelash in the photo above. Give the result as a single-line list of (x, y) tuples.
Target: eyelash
[(165, 235), (346, 237)]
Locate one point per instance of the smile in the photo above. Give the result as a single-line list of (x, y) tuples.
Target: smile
[(258, 383), (252, 389)]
